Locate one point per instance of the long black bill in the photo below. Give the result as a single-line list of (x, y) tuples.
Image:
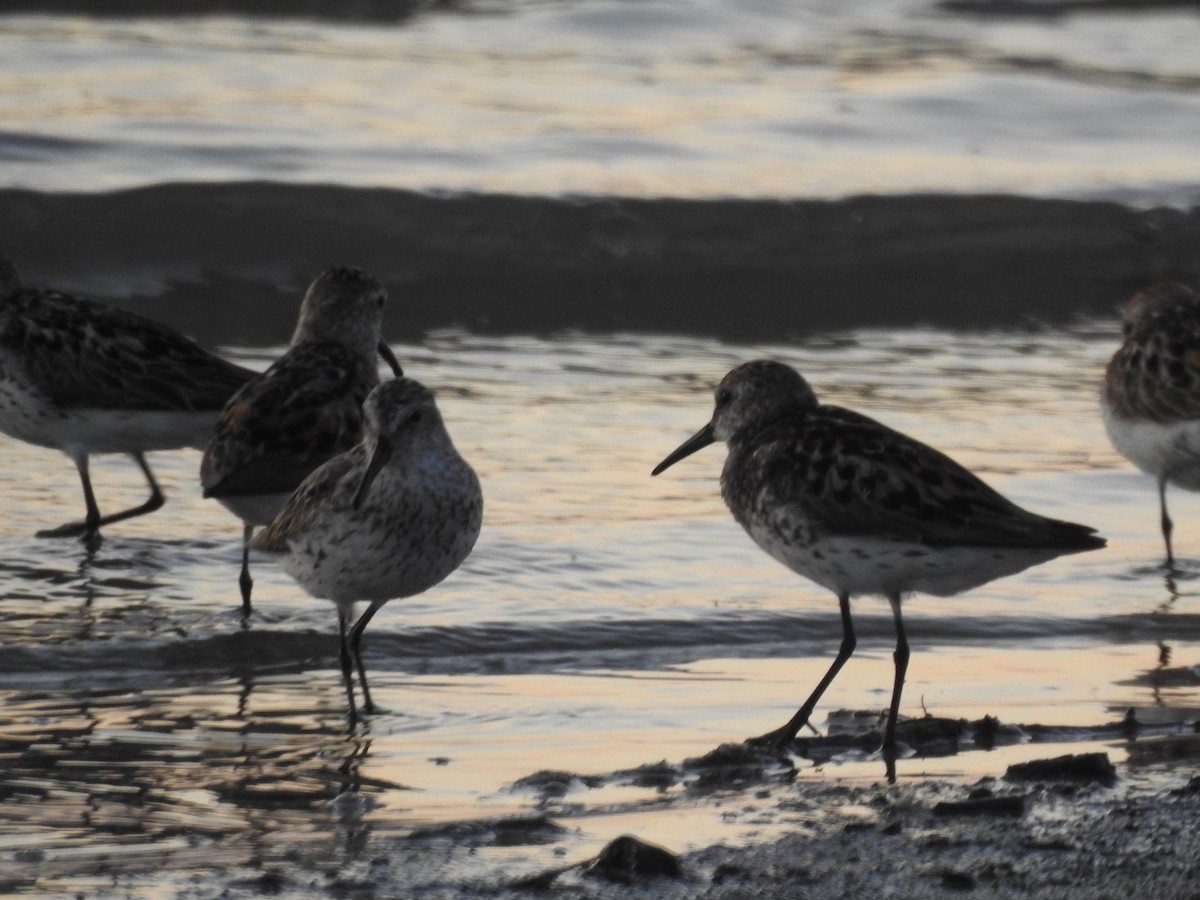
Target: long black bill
[(697, 441), (390, 358), (383, 452)]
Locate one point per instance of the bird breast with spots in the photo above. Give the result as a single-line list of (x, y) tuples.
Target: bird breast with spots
[(413, 528), (1156, 379)]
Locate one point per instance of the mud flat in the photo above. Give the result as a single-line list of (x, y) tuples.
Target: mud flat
[(1053, 838), (1067, 825)]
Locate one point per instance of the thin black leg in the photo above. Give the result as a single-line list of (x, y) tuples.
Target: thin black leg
[(94, 521), (91, 521), (155, 500), (781, 738), (1167, 525), (901, 659), (356, 649), (347, 665), (245, 582)]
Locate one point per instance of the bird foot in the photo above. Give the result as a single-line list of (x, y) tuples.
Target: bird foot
[(373, 709), (778, 741), (361, 715), (71, 529)]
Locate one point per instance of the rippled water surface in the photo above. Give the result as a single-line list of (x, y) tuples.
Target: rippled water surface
[(673, 97), (606, 620), (152, 743)]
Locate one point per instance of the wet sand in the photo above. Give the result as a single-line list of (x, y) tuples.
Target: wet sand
[(1137, 839), (1064, 824), (1076, 828), (1067, 826)]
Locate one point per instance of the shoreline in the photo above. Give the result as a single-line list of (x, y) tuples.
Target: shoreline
[(1068, 825), (1082, 828)]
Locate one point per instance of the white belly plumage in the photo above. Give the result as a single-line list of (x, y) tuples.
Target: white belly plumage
[(1164, 450), (860, 565), (30, 416)]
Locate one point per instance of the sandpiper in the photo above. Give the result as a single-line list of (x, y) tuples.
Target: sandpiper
[(82, 377), (861, 509), (387, 519), (304, 409), (1151, 395)]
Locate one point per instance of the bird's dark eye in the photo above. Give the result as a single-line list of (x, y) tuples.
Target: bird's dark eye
[(723, 396), (416, 417)]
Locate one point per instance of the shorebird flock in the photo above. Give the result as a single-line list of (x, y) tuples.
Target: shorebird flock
[(359, 493), (363, 493)]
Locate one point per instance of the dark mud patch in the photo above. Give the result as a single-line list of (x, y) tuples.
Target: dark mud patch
[(741, 766), (513, 831), (983, 804), (1073, 767)]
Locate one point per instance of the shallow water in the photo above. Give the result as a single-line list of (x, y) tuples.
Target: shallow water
[(685, 98), (152, 744), (606, 620)]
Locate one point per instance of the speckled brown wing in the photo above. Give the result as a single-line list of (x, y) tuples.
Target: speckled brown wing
[(1155, 373), (302, 411), (311, 499), (83, 354), (845, 475)]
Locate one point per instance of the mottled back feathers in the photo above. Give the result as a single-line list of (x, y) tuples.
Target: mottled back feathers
[(305, 408), (1155, 374), (850, 475), (836, 473), (83, 354)]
